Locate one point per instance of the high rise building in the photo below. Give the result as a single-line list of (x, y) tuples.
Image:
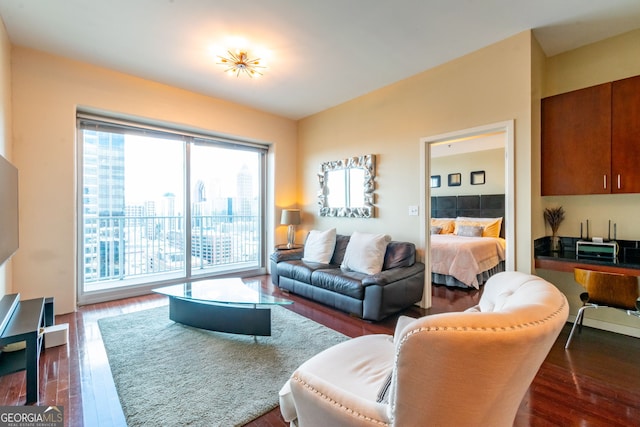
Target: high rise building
[(103, 203), (150, 211), (244, 193)]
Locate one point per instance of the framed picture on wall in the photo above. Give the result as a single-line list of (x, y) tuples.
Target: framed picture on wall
[(477, 178), (435, 181), (455, 179)]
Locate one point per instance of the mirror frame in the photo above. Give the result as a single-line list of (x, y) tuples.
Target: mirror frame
[(365, 162)]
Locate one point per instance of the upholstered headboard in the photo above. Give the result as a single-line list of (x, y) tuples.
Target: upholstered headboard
[(476, 206)]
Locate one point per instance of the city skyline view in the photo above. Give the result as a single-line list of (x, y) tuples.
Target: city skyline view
[(135, 223), (149, 178)]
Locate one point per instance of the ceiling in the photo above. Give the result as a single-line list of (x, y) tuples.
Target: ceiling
[(321, 53)]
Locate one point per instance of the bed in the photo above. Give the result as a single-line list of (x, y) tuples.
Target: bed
[(467, 239)]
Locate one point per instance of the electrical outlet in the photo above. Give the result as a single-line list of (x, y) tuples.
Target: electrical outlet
[(413, 211)]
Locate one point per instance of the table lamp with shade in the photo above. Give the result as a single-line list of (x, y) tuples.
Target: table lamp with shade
[(290, 217)]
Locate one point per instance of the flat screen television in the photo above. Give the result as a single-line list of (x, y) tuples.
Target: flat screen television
[(8, 209)]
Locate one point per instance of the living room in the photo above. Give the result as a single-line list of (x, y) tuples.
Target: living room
[(512, 73), (503, 81)]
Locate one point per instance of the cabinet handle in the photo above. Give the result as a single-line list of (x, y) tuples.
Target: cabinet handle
[(604, 177), (618, 181)]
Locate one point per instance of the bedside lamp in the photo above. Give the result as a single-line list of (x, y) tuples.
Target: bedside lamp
[(290, 217)]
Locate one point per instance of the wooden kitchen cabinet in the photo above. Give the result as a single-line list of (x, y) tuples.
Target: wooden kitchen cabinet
[(591, 140), (625, 136), (576, 142)]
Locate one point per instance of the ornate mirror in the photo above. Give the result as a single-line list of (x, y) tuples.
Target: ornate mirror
[(346, 187)]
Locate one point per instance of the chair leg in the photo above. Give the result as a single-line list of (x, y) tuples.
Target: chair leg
[(573, 328), (578, 322), (581, 320)]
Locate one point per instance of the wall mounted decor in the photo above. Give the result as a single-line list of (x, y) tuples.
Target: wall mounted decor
[(347, 187), (477, 178), (435, 181), (455, 179)]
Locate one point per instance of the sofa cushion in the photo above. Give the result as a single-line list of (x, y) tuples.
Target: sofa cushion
[(301, 270), (365, 252), (399, 254), (319, 246), (341, 247), (340, 281)]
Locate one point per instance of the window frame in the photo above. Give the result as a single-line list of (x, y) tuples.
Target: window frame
[(105, 123)]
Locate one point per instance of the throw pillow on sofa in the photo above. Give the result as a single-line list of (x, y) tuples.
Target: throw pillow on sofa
[(365, 252), (319, 246)]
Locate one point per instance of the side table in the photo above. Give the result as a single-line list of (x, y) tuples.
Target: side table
[(285, 247), (24, 323)]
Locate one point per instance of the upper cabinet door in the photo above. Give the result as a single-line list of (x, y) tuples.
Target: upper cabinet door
[(625, 141), (576, 142)]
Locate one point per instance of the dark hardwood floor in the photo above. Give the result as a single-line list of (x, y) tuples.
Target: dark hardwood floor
[(595, 383)]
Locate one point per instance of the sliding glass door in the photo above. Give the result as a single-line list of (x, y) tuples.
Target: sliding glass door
[(160, 206), (225, 216)]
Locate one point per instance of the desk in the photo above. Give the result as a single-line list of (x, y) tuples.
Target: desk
[(560, 264), (24, 325), (567, 260)]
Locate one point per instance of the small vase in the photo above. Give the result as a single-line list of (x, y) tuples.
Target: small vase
[(556, 245)]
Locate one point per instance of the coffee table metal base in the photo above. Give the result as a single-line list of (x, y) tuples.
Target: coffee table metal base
[(245, 320)]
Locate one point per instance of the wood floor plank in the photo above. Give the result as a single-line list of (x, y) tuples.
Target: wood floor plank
[(594, 383)]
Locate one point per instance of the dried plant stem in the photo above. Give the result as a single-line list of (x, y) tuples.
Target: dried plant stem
[(554, 217)]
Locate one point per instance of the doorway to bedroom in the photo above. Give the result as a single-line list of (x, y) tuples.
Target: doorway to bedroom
[(472, 163)]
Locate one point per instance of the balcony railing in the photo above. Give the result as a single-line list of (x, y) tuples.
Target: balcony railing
[(124, 247)]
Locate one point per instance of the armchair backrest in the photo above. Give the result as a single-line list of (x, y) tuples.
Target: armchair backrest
[(473, 368)]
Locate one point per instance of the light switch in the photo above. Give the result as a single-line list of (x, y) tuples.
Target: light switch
[(413, 211)]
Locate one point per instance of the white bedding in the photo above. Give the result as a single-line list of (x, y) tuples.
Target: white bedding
[(465, 257)]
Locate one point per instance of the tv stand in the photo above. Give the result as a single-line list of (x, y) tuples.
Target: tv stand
[(22, 321)]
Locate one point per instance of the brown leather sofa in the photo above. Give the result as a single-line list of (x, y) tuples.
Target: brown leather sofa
[(371, 297)]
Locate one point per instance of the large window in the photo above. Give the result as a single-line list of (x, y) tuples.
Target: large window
[(160, 206)]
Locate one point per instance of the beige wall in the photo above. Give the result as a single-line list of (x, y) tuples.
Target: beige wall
[(46, 92), (611, 59), (608, 60), (5, 132), (489, 161), (485, 87)]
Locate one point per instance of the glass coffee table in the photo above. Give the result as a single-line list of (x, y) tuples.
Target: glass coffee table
[(223, 305)]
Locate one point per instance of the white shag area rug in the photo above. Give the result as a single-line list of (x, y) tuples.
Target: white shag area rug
[(168, 374)]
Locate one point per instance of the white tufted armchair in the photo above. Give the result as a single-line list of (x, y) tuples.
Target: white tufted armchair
[(455, 369)]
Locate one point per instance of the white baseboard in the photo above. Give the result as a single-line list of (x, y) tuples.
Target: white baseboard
[(611, 327)]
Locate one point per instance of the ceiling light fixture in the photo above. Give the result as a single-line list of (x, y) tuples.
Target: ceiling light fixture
[(239, 63)]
